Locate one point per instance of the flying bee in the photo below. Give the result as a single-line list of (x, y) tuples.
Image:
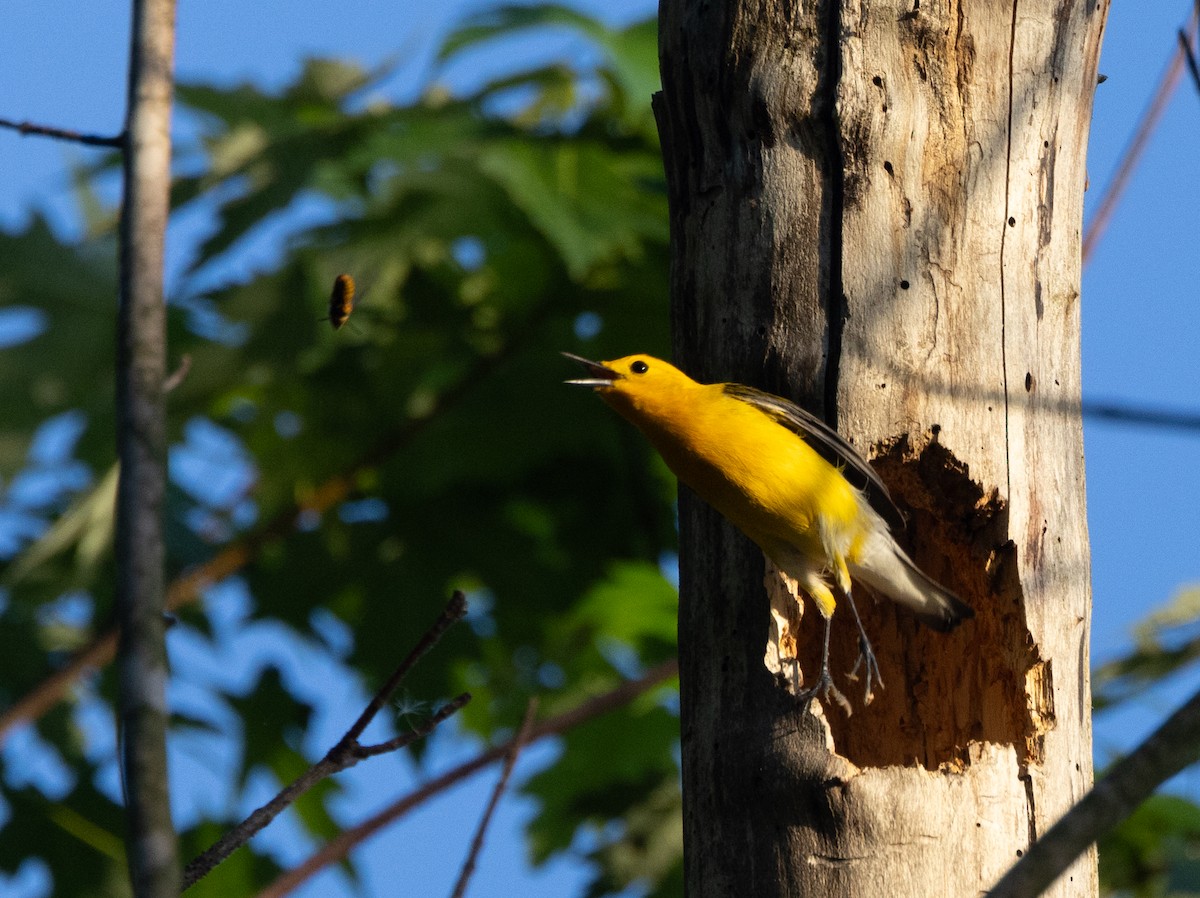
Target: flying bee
[(341, 301)]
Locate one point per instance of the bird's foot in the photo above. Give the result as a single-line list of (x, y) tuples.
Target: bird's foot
[(823, 688), (866, 658)]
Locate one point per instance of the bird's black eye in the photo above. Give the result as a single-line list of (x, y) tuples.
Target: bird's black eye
[(639, 367)]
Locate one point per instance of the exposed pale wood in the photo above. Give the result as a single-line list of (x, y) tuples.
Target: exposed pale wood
[(841, 229)]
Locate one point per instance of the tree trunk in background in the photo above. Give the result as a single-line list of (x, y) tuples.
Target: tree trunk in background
[(876, 209), (142, 449)]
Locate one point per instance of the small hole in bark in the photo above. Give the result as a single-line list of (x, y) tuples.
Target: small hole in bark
[(887, 167), (877, 81), (1028, 381), (904, 285)]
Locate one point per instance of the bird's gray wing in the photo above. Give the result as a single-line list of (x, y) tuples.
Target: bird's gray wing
[(828, 443)]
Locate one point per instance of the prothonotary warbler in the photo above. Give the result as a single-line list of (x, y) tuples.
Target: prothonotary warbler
[(777, 472)]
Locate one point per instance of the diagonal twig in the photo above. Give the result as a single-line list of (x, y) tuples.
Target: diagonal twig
[(1133, 152), (510, 761), (92, 140), (338, 848), (1172, 747), (345, 754), (1190, 56)]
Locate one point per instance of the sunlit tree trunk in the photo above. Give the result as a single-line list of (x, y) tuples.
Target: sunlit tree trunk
[(876, 209)]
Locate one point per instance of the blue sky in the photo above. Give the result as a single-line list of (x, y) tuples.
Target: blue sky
[(1141, 327)]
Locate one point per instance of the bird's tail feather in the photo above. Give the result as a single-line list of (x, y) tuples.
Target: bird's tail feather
[(887, 569)]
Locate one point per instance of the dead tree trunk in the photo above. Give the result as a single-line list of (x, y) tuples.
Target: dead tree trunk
[(876, 209)]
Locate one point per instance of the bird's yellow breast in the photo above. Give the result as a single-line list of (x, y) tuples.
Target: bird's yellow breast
[(766, 479)]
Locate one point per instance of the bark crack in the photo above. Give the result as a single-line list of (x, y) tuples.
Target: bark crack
[(836, 161), (1031, 805), (1005, 225)]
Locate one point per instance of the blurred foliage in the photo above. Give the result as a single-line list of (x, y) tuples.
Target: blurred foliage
[(486, 231), (1164, 643), (1155, 853)]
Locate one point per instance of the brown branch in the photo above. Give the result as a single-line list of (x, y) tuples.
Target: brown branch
[(338, 848), (455, 610), (510, 761), (92, 140), (345, 754), (1190, 56), (234, 556), (1174, 419), (1172, 747), (1133, 153)]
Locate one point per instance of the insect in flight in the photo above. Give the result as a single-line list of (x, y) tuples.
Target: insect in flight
[(341, 301)]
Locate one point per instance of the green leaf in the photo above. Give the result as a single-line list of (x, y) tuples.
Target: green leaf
[(589, 202), (245, 872), (609, 766), (431, 440), (494, 23), (275, 721), (632, 604), (85, 528), (80, 838), (1166, 641), (1155, 852), (68, 364)]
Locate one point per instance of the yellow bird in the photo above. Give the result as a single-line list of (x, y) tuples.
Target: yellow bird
[(778, 473)]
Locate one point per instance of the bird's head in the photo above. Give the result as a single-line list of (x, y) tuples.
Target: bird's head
[(635, 383)]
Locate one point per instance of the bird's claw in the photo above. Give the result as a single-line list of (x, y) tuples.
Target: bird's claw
[(823, 688), (867, 657)]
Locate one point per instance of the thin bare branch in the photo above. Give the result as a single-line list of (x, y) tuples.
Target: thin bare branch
[(345, 754), (362, 752), (1172, 419), (510, 761), (26, 129), (1172, 747), (338, 848), (1190, 56), (455, 610), (1133, 153)]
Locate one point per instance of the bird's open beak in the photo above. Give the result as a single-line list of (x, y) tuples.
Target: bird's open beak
[(600, 375)]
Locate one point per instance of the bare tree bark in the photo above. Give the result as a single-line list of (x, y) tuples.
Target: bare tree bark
[(141, 449), (876, 209)]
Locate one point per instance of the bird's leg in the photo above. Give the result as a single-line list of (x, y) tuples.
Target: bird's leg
[(824, 686), (865, 655)]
